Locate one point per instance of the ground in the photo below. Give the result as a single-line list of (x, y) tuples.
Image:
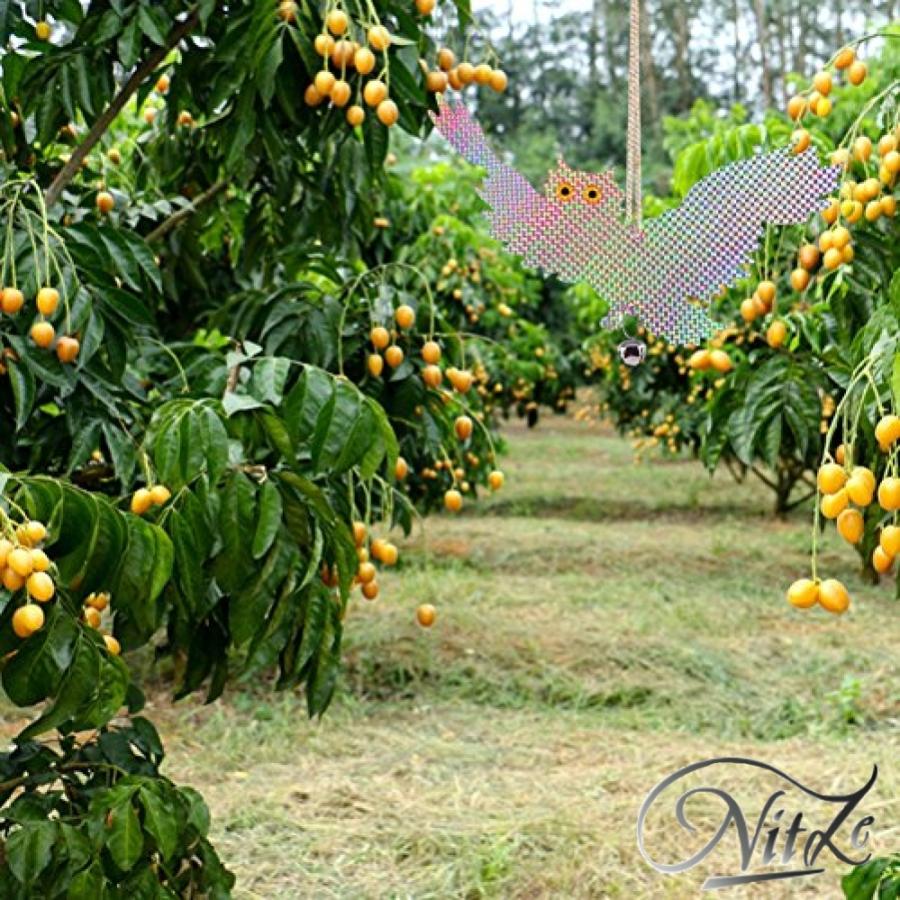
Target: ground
[(600, 624)]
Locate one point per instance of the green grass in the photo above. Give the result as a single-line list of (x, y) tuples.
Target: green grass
[(600, 623)]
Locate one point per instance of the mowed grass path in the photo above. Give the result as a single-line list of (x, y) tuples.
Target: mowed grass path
[(600, 624)]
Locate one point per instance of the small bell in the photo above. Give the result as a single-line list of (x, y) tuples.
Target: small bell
[(632, 352)]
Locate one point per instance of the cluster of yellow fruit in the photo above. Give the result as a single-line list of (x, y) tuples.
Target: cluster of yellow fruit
[(816, 99), (145, 498), (92, 616), (847, 490), (717, 360), (863, 199), (12, 300), (342, 55), (24, 565)]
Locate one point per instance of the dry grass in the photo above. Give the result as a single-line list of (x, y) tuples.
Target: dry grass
[(600, 625)]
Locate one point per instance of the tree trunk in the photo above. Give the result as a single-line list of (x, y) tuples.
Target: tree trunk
[(648, 73), (762, 37), (681, 34), (610, 39), (736, 92)]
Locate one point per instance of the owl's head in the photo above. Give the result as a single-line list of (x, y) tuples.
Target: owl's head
[(590, 192)]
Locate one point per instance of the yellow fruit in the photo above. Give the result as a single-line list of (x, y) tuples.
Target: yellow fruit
[(822, 82), (43, 334), (495, 480), (324, 82), (483, 73), (162, 84), (889, 494), (380, 337), (857, 72), (463, 428), (12, 300), (862, 148), (749, 312), (833, 596), (401, 468), (393, 356), (803, 593), (890, 540), (461, 379), (20, 562), (432, 376), (799, 280), (379, 38), (720, 361), (364, 60), (311, 96), (425, 615), (27, 620), (892, 161), (844, 58), (375, 364), (823, 107), (92, 617), (6, 547), (850, 526), (887, 431), (831, 478), (160, 495), (106, 203), (431, 352), (389, 554), (859, 491), (370, 590), (98, 601), (834, 504), (833, 258), (446, 59), (840, 237), (499, 81), (405, 316), (387, 113), (375, 92), (67, 349), (337, 21), (340, 93), (141, 501), (796, 107), (356, 115), (47, 301), (800, 140), (881, 562), (776, 334), (366, 572), (699, 360), (436, 82), (112, 644), (453, 500), (40, 586)]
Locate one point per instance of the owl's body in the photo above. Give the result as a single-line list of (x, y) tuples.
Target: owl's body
[(666, 273)]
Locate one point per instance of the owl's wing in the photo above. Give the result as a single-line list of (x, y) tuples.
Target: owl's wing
[(521, 217), (703, 244)]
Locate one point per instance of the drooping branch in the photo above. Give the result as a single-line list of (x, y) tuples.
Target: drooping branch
[(131, 86), (177, 218)]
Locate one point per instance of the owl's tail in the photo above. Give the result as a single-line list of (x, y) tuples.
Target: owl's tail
[(465, 135)]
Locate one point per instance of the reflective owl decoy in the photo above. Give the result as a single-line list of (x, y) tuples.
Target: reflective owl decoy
[(666, 273)]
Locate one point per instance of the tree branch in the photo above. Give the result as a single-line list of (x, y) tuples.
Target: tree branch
[(177, 218), (68, 171)]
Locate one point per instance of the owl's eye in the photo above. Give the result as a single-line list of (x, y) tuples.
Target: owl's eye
[(592, 194), (565, 191)]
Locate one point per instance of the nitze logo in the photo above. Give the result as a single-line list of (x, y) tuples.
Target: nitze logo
[(779, 842)]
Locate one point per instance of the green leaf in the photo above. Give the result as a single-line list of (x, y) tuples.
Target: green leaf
[(29, 850), (269, 521), (124, 840), (159, 820), (35, 672)]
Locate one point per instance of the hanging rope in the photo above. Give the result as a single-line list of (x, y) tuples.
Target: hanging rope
[(633, 150)]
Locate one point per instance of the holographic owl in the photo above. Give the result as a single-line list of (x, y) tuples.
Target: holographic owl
[(666, 273)]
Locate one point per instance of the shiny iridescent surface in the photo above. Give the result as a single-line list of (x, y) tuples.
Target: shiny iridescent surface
[(667, 272)]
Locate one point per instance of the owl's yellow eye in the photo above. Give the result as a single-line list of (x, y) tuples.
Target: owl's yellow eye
[(565, 191), (592, 194)]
